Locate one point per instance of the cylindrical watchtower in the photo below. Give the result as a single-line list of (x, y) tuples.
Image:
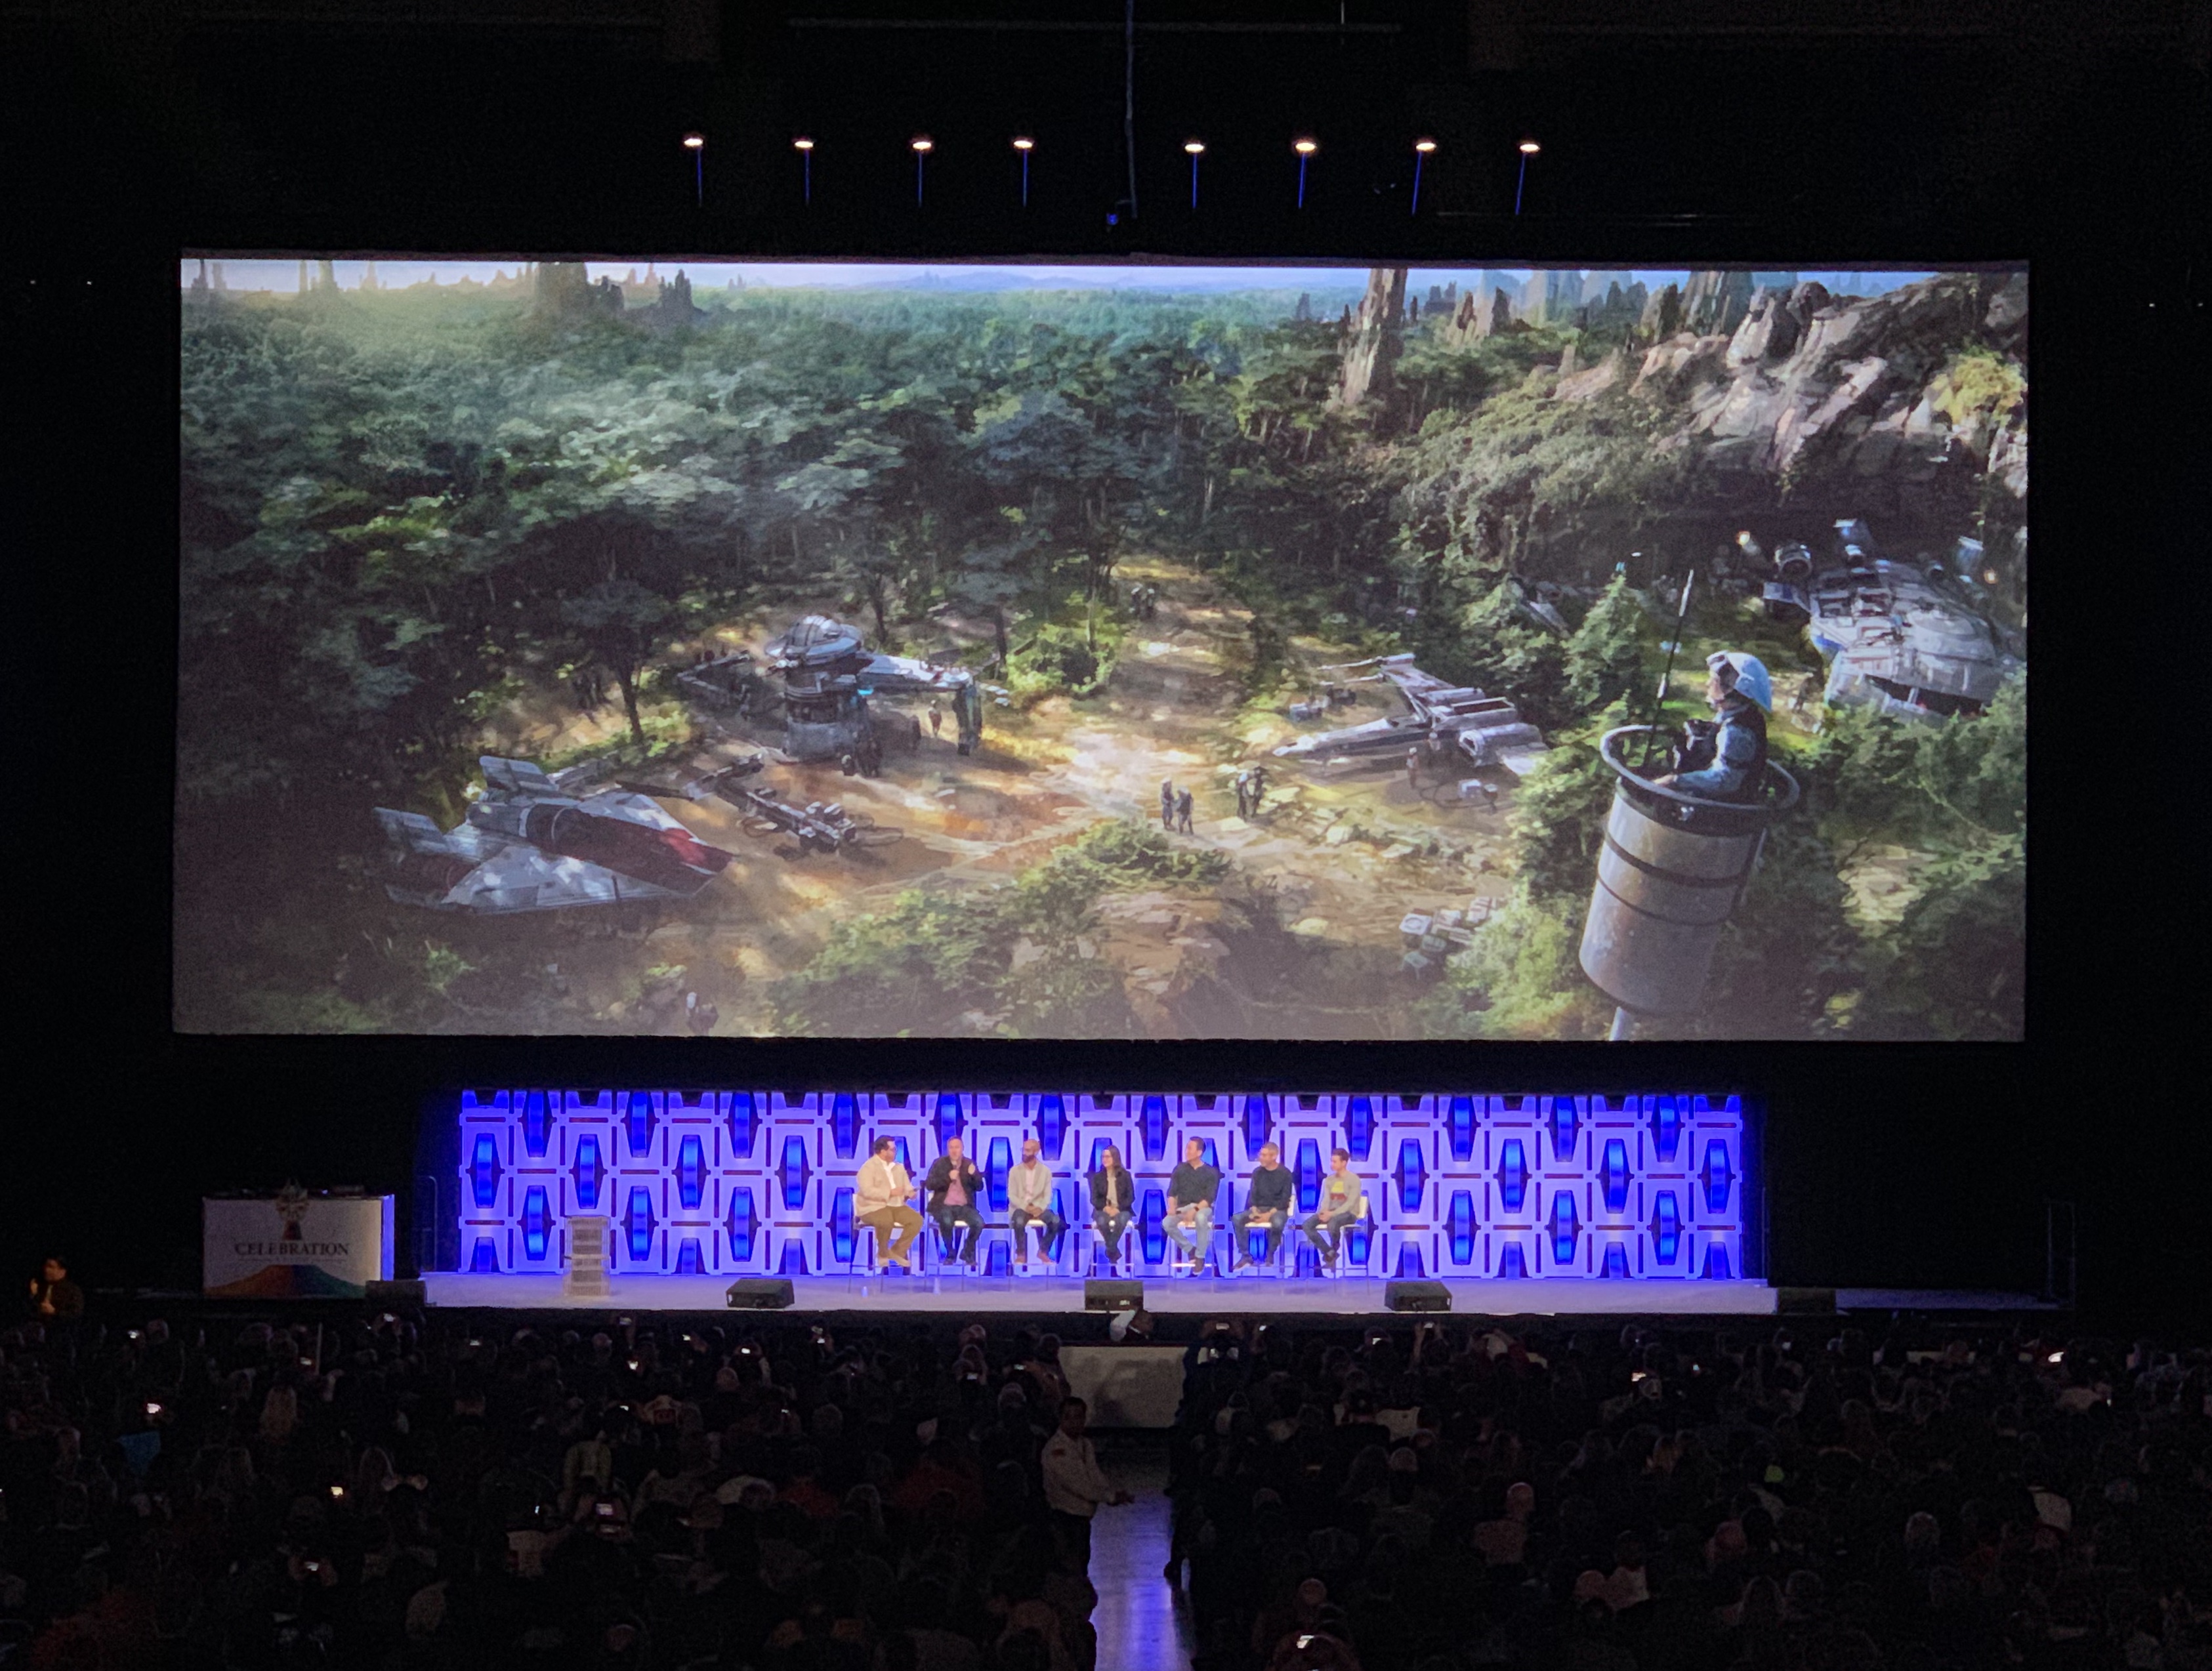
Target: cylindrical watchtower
[(1672, 867)]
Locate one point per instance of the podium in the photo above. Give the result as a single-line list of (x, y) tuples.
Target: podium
[(585, 1277)]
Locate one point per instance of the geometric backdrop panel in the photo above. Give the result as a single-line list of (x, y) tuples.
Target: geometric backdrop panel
[(1541, 1186)]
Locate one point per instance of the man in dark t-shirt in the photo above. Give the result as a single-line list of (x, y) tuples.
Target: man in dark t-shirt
[(1191, 1191), (1267, 1202)]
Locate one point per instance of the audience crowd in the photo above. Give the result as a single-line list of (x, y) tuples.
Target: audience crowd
[(440, 1490)]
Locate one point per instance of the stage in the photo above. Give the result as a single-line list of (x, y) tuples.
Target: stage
[(1270, 1296)]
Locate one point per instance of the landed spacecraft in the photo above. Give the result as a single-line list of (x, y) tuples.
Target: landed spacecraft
[(829, 676), (1487, 731), (1906, 639), (541, 841)]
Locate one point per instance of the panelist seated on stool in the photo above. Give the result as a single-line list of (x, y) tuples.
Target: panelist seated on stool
[(1266, 1202), (1339, 1209), (880, 1197), (1113, 1202), (1190, 1206), (954, 1186), (1029, 1201)]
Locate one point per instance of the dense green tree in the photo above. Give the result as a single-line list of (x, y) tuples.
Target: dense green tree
[(1605, 656)]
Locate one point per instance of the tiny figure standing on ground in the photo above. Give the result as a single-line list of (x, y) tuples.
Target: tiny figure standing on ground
[(1182, 812), (936, 719), (1259, 789), (1413, 768), (1244, 795), (1167, 805)]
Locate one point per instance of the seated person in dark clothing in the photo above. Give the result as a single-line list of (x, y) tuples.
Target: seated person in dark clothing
[(1113, 1198), (1268, 1203), (954, 1187), (1190, 1204), (53, 1296)]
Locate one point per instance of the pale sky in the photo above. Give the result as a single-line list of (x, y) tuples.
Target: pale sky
[(282, 274)]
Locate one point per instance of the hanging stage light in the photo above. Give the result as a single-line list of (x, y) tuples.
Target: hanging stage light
[(1195, 149), (695, 143), (921, 145), (805, 147), (1025, 145), (1305, 148), (1421, 150), (1528, 149)]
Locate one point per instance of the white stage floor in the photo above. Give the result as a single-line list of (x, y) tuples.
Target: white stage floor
[(1349, 1297)]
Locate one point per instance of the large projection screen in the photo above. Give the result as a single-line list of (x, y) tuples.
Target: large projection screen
[(1137, 650)]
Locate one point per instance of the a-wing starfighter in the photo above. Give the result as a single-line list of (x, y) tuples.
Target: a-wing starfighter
[(533, 843)]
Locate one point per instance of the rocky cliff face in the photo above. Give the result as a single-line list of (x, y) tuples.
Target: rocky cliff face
[(1370, 353), (1797, 386)]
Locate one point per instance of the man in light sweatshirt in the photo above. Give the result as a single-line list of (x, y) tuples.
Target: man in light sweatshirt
[(1029, 1201)]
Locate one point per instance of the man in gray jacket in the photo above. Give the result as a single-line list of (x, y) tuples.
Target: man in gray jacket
[(1029, 1201)]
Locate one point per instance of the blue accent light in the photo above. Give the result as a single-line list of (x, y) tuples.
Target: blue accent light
[(1462, 1128), (1513, 1262), (741, 1226), (1412, 1176), (1666, 1128), (844, 1123), (899, 1148), (1152, 1224), (1666, 1228), (1615, 1174), (1256, 1122), (1512, 1174), (589, 1171), (949, 1116), (1616, 1260), (639, 1121), (744, 1122), (483, 1170), (1409, 1260), (1359, 1126), (793, 1262), (1565, 1229), (794, 1173), (1052, 1126), (1308, 1175), (535, 1126), (537, 1223), (1155, 1132), (691, 1172), (1717, 1176), (1358, 1238), (1716, 1263), (1564, 1125), (1460, 1227), (637, 1224), (485, 1258), (1212, 1155), (998, 1160), (842, 1233), (687, 1262)]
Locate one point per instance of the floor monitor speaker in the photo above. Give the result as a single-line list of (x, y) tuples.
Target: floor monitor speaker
[(1103, 1294), (760, 1294), (1416, 1296)]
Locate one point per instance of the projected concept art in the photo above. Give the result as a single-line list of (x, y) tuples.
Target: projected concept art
[(1266, 652)]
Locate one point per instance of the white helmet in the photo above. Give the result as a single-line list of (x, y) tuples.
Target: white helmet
[(1750, 680)]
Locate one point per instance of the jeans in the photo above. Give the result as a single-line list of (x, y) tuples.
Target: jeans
[(1050, 1224), (947, 1216), (1274, 1219), (1330, 1225), (1196, 1237), (1112, 1226)]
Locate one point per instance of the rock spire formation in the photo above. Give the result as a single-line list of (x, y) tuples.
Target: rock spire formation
[(1371, 352)]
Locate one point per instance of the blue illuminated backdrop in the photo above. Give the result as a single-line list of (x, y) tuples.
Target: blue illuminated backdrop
[(750, 1182)]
